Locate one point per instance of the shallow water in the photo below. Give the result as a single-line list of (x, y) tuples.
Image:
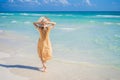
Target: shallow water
[(78, 36)]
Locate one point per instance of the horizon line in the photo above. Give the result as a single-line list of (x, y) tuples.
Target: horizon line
[(59, 11)]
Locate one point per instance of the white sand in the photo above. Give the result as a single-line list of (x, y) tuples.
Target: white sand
[(21, 63), (24, 68)]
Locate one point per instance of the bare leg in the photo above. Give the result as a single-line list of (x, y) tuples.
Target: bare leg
[(43, 62), (44, 66)]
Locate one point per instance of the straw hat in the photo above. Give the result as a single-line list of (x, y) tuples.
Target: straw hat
[(47, 21), (43, 19)]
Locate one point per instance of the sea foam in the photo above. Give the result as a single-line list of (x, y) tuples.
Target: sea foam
[(68, 29), (7, 14), (108, 16), (27, 14), (13, 21), (4, 16), (92, 21), (27, 22), (118, 23)]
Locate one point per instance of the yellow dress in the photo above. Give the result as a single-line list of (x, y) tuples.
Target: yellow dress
[(44, 44)]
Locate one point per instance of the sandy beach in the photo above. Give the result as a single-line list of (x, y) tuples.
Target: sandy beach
[(19, 61), (24, 68)]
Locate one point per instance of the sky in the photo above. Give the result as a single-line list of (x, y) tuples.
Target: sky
[(59, 5)]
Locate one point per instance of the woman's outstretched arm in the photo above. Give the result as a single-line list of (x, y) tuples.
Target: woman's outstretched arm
[(36, 24), (52, 23)]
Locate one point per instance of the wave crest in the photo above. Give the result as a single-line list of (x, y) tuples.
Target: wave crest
[(13, 21), (6, 14), (27, 22), (108, 16), (67, 29), (27, 14)]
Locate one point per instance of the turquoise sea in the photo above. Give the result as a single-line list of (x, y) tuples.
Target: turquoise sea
[(92, 37)]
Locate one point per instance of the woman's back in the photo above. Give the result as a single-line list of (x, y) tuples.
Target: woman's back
[(44, 33)]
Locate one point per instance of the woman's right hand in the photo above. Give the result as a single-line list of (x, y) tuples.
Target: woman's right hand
[(35, 24)]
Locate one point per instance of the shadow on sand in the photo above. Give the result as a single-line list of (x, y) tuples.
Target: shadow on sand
[(20, 66)]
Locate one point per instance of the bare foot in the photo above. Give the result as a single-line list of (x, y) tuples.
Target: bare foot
[(43, 69)]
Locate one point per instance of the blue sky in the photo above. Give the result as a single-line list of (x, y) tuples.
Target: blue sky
[(59, 5)]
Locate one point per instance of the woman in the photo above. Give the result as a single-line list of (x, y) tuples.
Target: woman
[(44, 45)]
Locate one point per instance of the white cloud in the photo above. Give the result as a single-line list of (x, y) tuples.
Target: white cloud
[(88, 2), (29, 1), (64, 2), (38, 2)]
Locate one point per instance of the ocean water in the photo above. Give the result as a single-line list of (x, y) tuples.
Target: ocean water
[(92, 37)]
